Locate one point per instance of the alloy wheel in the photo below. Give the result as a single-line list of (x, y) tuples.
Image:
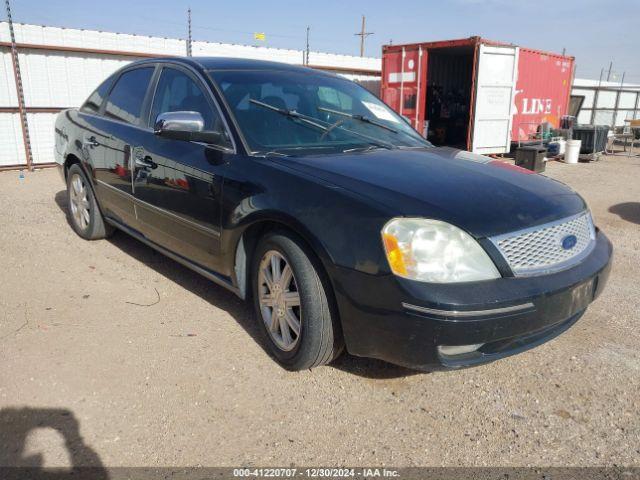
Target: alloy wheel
[(78, 195), (279, 300)]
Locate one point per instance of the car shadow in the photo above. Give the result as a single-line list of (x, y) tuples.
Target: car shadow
[(629, 211), (221, 298), (16, 424)]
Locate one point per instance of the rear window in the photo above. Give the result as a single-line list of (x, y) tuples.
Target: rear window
[(126, 98), (94, 102)]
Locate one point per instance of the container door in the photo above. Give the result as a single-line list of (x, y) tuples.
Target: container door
[(495, 90), (403, 83)]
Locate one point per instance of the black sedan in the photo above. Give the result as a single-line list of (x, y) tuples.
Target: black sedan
[(303, 192)]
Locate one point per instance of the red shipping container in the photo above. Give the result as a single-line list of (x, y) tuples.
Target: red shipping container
[(476, 94)]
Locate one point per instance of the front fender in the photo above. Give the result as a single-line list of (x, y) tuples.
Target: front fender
[(342, 228), (240, 242)]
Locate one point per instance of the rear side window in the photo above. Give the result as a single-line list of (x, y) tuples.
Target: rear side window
[(94, 102), (126, 98)]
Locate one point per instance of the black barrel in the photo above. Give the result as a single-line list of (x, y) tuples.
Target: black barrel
[(594, 137)]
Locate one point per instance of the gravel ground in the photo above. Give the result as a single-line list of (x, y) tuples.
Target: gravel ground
[(111, 353)]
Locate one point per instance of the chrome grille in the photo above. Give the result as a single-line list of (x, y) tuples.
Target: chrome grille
[(540, 249)]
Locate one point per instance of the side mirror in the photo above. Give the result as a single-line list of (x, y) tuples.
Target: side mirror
[(187, 126)]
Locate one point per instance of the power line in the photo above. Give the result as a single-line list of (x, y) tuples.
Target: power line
[(329, 42), (243, 32)]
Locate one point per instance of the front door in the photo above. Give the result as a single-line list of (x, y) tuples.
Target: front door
[(178, 184)]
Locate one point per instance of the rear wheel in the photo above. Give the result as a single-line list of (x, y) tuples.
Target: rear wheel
[(292, 304), (86, 218)]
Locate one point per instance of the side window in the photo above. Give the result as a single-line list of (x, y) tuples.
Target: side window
[(126, 98), (94, 102), (177, 92)]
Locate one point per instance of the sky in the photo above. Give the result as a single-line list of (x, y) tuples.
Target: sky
[(596, 32)]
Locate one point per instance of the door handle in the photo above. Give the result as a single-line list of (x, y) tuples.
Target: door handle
[(91, 142), (146, 162)]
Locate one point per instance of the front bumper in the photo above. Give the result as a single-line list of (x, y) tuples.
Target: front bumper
[(403, 321)]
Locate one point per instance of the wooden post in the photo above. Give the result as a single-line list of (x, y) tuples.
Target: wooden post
[(363, 34)]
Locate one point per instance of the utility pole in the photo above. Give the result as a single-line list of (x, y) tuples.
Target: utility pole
[(22, 109), (189, 32), (363, 34), (306, 60)]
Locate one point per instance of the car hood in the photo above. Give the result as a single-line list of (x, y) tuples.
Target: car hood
[(483, 196)]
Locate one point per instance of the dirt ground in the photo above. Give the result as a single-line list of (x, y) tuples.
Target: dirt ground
[(112, 354)]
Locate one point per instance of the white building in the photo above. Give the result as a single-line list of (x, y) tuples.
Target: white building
[(607, 103)]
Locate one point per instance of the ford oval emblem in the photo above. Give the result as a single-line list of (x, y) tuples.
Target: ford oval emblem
[(569, 242)]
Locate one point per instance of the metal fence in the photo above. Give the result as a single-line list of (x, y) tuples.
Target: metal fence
[(60, 67), (608, 105)]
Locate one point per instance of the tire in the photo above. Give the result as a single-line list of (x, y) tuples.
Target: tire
[(319, 339), (84, 214)]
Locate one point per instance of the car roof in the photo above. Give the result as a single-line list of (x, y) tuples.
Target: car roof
[(228, 63)]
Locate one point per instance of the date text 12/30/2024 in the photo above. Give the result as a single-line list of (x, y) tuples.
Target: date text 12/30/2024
[(315, 472)]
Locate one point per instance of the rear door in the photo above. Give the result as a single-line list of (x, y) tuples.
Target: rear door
[(121, 127), (497, 71)]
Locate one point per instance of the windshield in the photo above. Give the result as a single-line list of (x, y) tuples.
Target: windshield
[(288, 112)]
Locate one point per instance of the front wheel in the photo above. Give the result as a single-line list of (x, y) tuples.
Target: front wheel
[(293, 304)]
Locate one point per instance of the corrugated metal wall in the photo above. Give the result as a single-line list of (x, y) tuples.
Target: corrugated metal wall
[(11, 145), (59, 72), (58, 79), (8, 95), (51, 80), (70, 37)]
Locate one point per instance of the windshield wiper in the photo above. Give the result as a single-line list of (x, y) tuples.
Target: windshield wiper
[(290, 114), (305, 119), (368, 148), (360, 118), (416, 147), (271, 153)]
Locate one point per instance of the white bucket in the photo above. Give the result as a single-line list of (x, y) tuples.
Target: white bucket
[(563, 146), (572, 151)]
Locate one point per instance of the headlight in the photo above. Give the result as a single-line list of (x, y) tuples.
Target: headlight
[(434, 251)]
